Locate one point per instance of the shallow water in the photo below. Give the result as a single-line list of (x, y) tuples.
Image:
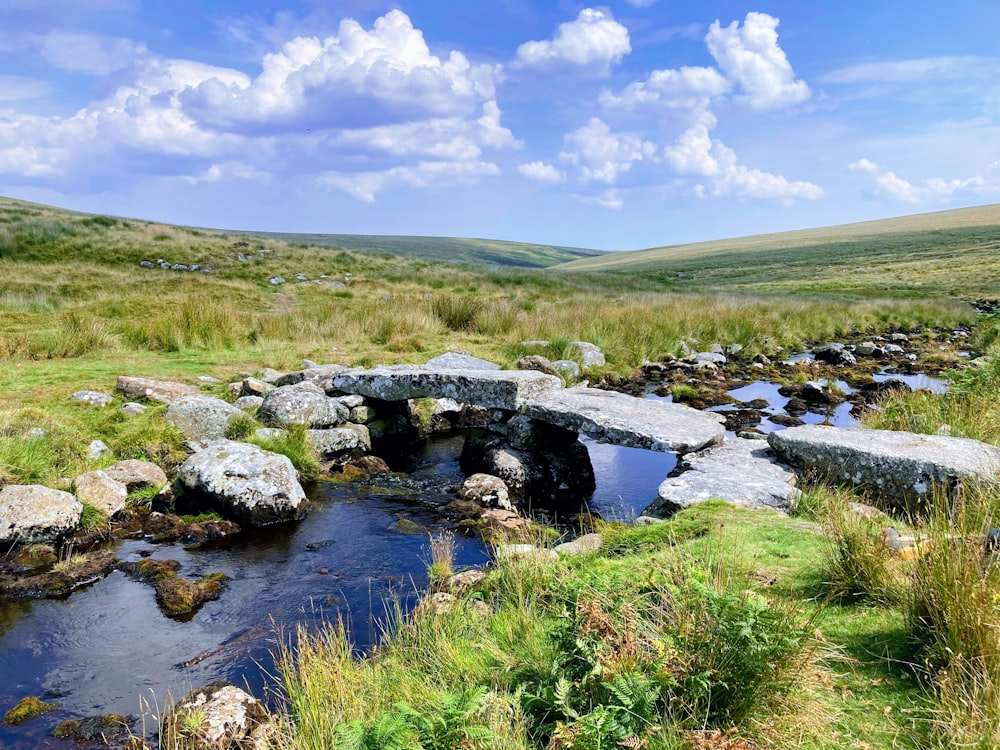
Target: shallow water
[(106, 648)]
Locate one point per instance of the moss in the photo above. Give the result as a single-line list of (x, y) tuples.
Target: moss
[(152, 570), (35, 556), (180, 596), (101, 730), (26, 709)]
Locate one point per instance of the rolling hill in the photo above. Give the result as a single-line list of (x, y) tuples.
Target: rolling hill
[(959, 248)]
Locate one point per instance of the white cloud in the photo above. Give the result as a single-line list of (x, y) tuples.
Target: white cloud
[(612, 198), (901, 71), (594, 40), (365, 185), (21, 88), (931, 190), (603, 156), (697, 154), (750, 56), (364, 110), (82, 52), (541, 172), (682, 88), (357, 78)]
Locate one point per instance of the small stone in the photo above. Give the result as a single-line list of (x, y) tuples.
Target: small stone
[(487, 490), (248, 403), (97, 450), (582, 545), (94, 398), (588, 354), (275, 280), (98, 489), (132, 409)]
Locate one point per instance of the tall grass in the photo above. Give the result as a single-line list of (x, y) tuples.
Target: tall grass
[(954, 616)]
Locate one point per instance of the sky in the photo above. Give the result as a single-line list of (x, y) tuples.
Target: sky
[(615, 126)]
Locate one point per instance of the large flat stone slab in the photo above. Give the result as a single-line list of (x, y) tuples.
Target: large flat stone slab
[(745, 472), (494, 389), (900, 467), (616, 418)]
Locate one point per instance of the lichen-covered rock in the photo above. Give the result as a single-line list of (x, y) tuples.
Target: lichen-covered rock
[(569, 369), (32, 513), (219, 716), (902, 468), (458, 361), (486, 490), (97, 450), (248, 403), (244, 482), (153, 390), (744, 472), (304, 403), (538, 363), (255, 387), (616, 418), (493, 389), (100, 490), (340, 439), (588, 354), (310, 374), (201, 418), (94, 398)]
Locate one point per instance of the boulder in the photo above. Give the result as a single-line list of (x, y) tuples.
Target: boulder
[(304, 403), (835, 354), (902, 468), (153, 390), (201, 418), (589, 355), (582, 545), (245, 482), (569, 369), (94, 398), (538, 363), (340, 439), (457, 361), (248, 403), (255, 387), (712, 358), (316, 374), (745, 472), (219, 716), (486, 490), (137, 475), (100, 490), (32, 513)]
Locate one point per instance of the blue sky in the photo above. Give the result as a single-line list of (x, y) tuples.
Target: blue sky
[(622, 125)]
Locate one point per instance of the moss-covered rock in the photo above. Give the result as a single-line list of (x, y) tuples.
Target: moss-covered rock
[(26, 709), (179, 596), (103, 730)]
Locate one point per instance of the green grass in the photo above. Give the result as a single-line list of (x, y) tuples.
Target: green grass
[(946, 252)]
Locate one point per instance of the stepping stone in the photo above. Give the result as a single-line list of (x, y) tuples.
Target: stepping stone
[(616, 418)]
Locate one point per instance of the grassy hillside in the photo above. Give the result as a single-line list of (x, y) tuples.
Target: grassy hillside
[(946, 252), (445, 249)]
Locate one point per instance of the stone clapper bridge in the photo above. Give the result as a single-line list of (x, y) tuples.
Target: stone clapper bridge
[(533, 412)]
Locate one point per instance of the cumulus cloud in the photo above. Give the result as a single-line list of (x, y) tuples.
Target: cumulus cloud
[(594, 40), (750, 56), (682, 88), (697, 153), (931, 190), (541, 172), (361, 111), (356, 78), (603, 156)]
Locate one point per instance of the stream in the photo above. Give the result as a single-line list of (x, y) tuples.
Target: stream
[(108, 649)]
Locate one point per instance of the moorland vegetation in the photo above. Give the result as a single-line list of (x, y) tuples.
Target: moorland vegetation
[(721, 628)]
